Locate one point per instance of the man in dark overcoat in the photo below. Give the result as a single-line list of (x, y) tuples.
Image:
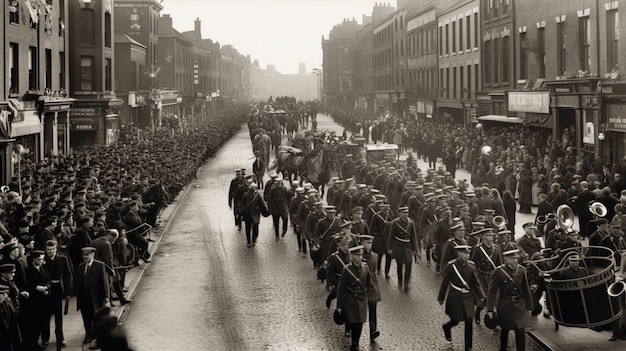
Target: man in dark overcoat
[(487, 257), (509, 294), (460, 284), (379, 228), (402, 245), (352, 298), (373, 294), (278, 205), (60, 272), (91, 285)]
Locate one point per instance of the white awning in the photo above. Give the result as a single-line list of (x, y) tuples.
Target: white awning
[(504, 119), (30, 125)]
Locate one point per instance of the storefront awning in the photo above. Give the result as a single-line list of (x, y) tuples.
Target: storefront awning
[(503, 119), (30, 125)]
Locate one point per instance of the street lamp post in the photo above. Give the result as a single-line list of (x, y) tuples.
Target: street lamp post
[(156, 94)]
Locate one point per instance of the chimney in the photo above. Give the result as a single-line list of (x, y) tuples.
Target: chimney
[(196, 26)]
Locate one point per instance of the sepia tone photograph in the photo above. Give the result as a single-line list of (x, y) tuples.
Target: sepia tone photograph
[(281, 175)]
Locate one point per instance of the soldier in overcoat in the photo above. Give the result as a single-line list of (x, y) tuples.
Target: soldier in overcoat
[(373, 294), (336, 263), (487, 257), (379, 228), (460, 289), (278, 205), (402, 245), (509, 295), (352, 299)]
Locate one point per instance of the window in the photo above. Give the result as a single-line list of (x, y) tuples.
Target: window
[(61, 17), (135, 22), (447, 38), (461, 34), (453, 35), (496, 61), (48, 69), (462, 81), (107, 30), (62, 70), (469, 81), (468, 41), (441, 85), (14, 65), (560, 44), (447, 83), (475, 30), (505, 59), (541, 49), (107, 74), (14, 12), (612, 40), (487, 61), (454, 82), (476, 78), (87, 74), (522, 55), (584, 41), (440, 41), (87, 27), (32, 68)]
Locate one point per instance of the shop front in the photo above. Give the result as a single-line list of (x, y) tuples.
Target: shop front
[(55, 114), (94, 122), (575, 110), (383, 103), (5, 143), (450, 111), (612, 130)]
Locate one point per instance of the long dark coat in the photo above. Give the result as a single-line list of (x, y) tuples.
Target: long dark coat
[(352, 293), (371, 258), (380, 230), (459, 305), (402, 250), (92, 288), (513, 314)]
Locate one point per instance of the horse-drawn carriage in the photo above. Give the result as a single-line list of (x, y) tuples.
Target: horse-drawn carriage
[(381, 152)]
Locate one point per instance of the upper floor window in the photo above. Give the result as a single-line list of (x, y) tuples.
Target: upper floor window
[(107, 30), (14, 11), (612, 40), (584, 42), (87, 73), (87, 27)]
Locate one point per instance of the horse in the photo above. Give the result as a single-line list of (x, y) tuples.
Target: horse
[(263, 142), (288, 161), (292, 128), (157, 196), (317, 168), (276, 137)]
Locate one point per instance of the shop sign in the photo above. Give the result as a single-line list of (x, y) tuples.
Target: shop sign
[(609, 89), (535, 102), (421, 108), (429, 109), (54, 108), (472, 115), (83, 123), (616, 117)]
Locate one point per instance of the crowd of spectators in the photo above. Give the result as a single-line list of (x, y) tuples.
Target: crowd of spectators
[(63, 204)]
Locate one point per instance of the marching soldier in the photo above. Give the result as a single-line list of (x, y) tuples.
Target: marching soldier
[(315, 213), (298, 225), (487, 257), (440, 236), (279, 207), (448, 253), (336, 263), (330, 193), (373, 294), (233, 200), (428, 217), (460, 283), (509, 294), (352, 295), (359, 226), (402, 245), (529, 243), (379, 227), (325, 228)]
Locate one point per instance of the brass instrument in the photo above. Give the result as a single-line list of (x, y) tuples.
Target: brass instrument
[(598, 209), (499, 222), (486, 150), (5, 189), (616, 288), (543, 219), (565, 218)]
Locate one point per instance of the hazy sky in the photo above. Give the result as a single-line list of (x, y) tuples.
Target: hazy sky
[(279, 32)]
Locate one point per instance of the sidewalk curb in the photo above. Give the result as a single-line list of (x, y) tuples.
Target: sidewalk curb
[(543, 341), (142, 269)]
